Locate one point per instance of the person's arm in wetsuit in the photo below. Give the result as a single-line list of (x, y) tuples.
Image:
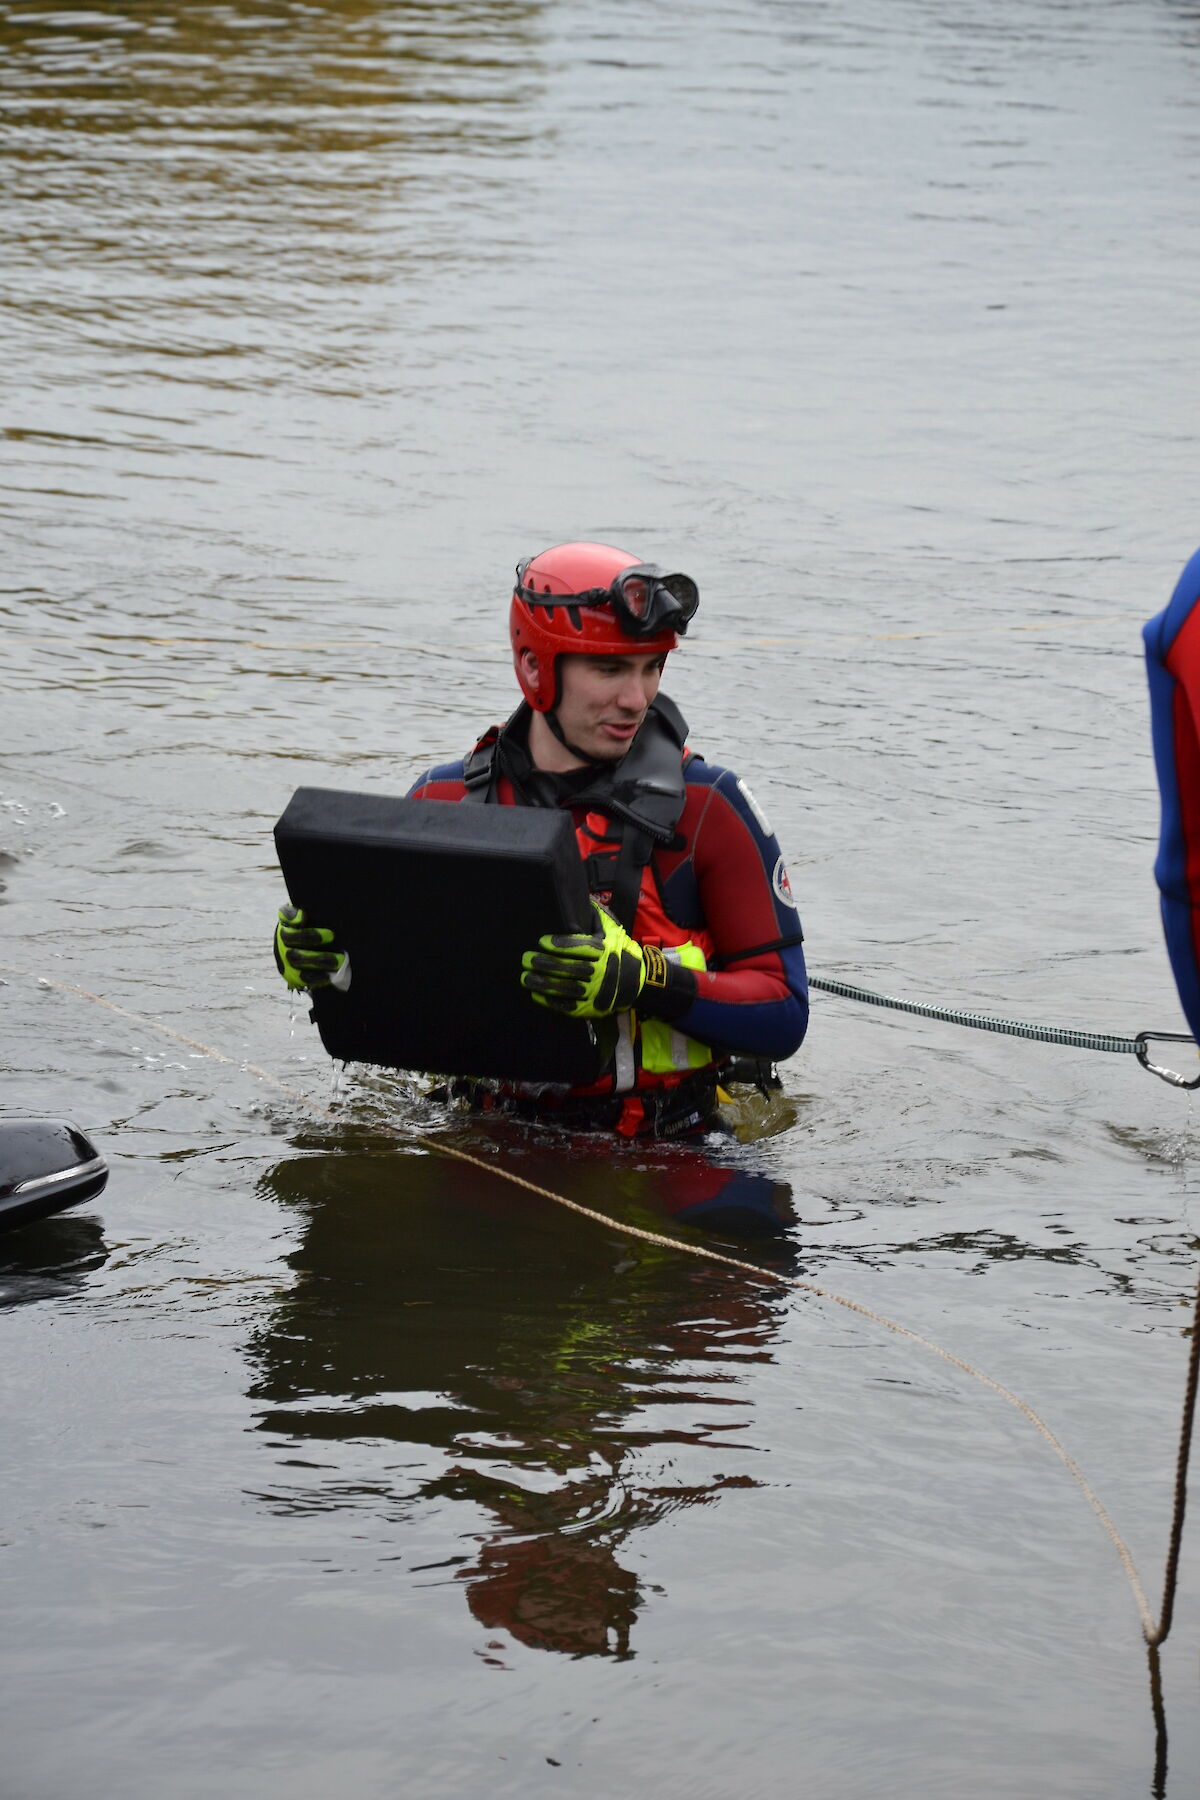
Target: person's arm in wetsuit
[(730, 873)]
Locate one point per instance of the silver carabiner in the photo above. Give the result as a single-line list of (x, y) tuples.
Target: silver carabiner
[(1164, 1037)]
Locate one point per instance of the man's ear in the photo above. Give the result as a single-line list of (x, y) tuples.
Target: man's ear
[(527, 662)]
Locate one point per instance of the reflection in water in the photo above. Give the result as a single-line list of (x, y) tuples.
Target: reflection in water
[(567, 1383), (50, 1258)]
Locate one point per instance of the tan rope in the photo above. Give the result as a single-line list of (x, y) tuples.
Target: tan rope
[(1152, 1633)]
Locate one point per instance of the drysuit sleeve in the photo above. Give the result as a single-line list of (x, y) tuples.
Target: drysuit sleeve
[(731, 871), (1172, 641), (443, 783)]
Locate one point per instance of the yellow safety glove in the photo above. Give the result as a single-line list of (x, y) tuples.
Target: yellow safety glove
[(306, 955), (586, 975)]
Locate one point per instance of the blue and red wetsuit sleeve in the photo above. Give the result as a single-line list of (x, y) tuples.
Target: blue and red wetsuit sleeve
[(731, 876), (443, 783), (1173, 664)]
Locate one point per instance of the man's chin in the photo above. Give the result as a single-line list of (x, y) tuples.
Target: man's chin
[(607, 751), (610, 748)]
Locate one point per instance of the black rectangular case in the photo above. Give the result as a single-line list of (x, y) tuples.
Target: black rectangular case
[(435, 903)]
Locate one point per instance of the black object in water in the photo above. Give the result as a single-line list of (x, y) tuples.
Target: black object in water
[(46, 1165)]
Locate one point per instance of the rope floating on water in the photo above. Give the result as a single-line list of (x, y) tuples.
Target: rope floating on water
[(1154, 1633)]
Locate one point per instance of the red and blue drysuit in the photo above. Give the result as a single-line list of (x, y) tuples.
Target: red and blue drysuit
[(701, 877), (1172, 642)]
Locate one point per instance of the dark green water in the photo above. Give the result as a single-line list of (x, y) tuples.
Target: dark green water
[(333, 1466)]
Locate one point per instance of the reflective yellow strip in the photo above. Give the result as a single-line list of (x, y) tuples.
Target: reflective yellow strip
[(666, 1051)]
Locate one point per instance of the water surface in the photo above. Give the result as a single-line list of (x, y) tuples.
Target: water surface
[(332, 1463)]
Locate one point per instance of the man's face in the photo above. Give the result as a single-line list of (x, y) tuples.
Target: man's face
[(604, 700)]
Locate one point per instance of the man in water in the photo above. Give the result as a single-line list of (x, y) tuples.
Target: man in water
[(696, 957)]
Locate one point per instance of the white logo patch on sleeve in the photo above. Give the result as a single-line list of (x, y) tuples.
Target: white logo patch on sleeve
[(782, 886), (760, 817)]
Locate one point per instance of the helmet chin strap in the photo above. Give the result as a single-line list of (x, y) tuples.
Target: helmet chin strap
[(551, 719)]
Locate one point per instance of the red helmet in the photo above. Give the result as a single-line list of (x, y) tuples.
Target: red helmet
[(593, 600)]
